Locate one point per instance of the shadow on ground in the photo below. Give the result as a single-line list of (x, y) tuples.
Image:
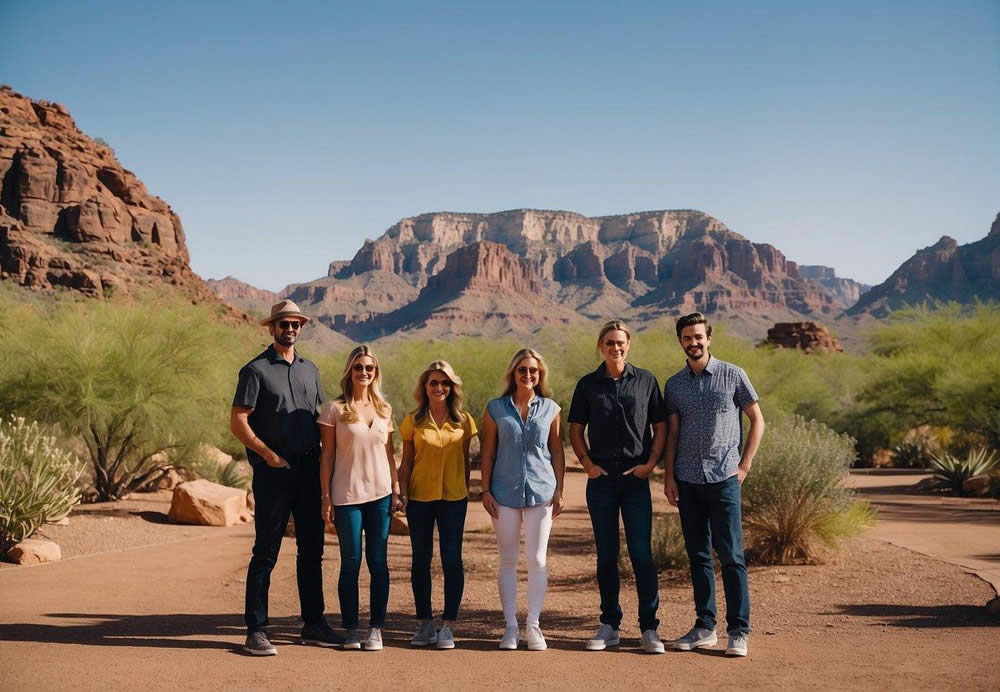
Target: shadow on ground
[(920, 617)]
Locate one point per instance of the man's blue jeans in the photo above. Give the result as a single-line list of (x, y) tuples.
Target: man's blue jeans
[(710, 517), (372, 517), (450, 518), (607, 497)]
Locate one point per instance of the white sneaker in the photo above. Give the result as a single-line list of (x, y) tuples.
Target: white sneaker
[(374, 641), (651, 643), (535, 639), (696, 638), (511, 636), (425, 634), (737, 645), (606, 636), (445, 639)]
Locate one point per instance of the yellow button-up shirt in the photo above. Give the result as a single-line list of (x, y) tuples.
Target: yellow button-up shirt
[(438, 464)]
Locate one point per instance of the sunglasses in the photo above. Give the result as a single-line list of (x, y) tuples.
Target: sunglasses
[(358, 367), (289, 324), (525, 370), (434, 384)]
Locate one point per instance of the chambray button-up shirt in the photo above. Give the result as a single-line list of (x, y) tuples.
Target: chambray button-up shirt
[(709, 406), (522, 473)]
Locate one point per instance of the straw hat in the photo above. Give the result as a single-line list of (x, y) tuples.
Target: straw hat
[(285, 308)]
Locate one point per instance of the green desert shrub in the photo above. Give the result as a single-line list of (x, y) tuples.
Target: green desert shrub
[(950, 472), (235, 473), (667, 543), (794, 499), (38, 480)]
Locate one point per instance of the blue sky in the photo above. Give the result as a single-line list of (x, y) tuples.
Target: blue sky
[(848, 134)]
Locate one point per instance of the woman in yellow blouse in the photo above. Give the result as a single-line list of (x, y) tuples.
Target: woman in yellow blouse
[(434, 482)]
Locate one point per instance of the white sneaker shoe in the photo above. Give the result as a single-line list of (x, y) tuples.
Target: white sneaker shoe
[(511, 637), (425, 634), (651, 643), (374, 641), (535, 639), (445, 639), (606, 636), (737, 645)]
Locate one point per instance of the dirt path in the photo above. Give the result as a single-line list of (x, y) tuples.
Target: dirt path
[(168, 616)]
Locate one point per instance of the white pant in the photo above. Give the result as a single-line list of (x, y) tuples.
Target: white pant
[(537, 526)]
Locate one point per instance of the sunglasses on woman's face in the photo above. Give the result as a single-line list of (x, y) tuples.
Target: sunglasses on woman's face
[(358, 367), (443, 384), (290, 324), (525, 370)]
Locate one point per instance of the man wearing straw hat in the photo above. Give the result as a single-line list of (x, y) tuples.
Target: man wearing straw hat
[(274, 416)]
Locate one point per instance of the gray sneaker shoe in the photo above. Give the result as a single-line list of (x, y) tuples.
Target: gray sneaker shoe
[(425, 634), (353, 639), (445, 639), (695, 639), (651, 643), (511, 637), (374, 640), (535, 639), (258, 644), (606, 636), (737, 645)]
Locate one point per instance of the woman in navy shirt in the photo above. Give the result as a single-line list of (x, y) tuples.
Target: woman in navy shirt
[(522, 470)]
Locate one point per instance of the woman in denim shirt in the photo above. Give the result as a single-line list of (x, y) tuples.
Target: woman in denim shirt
[(522, 471)]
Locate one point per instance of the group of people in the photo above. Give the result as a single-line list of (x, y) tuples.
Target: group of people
[(334, 463)]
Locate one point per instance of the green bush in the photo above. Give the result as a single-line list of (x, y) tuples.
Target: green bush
[(234, 474), (667, 543), (951, 472), (38, 481), (794, 500)]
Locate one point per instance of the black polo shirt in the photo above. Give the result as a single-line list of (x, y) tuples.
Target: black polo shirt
[(284, 397), (618, 413)]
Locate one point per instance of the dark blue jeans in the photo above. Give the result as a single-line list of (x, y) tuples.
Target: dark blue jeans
[(278, 493), (450, 518), (607, 497), (710, 517), (372, 518)]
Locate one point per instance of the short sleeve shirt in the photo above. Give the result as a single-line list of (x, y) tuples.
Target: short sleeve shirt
[(284, 397), (708, 406), (439, 457), (361, 466), (522, 473), (618, 413)]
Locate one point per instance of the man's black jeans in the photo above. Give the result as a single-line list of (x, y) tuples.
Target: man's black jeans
[(278, 493)]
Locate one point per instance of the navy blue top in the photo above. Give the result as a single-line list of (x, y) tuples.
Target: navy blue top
[(709, 406), (284, 397), (522, 472)]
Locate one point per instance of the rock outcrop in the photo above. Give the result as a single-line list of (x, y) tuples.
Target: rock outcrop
[(845, 292), (72, 217), (243, 296), (944, 271), (208, 504), (809, 337)]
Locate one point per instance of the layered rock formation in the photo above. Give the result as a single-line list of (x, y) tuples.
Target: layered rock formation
[(845, 292), (944, 271), (257, 301), (809, 337), (72, 217)]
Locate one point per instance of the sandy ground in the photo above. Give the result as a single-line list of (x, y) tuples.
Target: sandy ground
[(168, 615)]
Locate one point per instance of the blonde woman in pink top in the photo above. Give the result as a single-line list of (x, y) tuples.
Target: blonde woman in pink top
[(360, 488)]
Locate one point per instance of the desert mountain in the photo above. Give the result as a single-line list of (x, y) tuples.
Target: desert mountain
[(845, 292), (944, 271)]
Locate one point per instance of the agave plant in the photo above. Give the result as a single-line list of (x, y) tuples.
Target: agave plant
[(951, 472)]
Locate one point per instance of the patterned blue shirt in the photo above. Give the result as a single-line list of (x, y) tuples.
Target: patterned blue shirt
[(522, 472), (709, 406)]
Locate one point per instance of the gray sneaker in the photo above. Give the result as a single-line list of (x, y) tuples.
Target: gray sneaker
[(651, 643), (425, 634), (374, 640), (695, 639), (353, 639), (258, 644), (445, 639), (737, 645), (606, 636)]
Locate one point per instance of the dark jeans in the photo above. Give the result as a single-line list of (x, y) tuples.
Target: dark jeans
[(278, 493), (450, 518), (607, 497), (373, 518), (710, 517)]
